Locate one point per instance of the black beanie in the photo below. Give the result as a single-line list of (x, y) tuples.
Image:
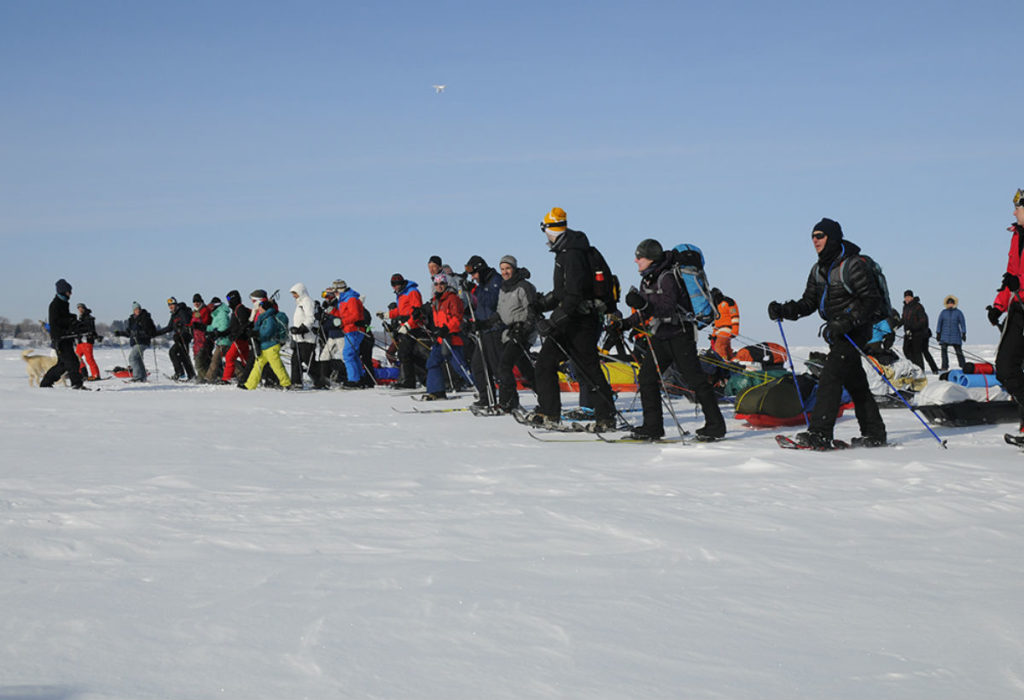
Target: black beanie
[(197, 297), (650, 249), (475, 264), (436, 259), (830, 228), (397, 280), (63, 287), (908, 293)]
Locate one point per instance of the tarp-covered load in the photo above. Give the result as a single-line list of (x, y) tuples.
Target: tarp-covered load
[(947, 403), (775, 402)]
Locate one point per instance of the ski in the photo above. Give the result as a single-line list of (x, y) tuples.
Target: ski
[(449, 397), (449, 409), (556, 436), (628, 440), (487, 411), (1015, 440), (788, 443)]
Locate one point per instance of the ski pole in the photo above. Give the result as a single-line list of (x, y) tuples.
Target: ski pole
[(792, 369), (895, 391)]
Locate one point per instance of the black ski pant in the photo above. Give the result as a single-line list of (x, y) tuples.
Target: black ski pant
[(843, 368), (578, 337), (680, 351), (1010, 356), (958, 349), (512, 355), (302, 358), (412, 350), (484, 364), (67, 361), (181, 360), (915, 348)]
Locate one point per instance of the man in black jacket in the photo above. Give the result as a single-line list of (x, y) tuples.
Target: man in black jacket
[(180, 325), (843, 290), (916, 332), (63, 324), (573, 328)]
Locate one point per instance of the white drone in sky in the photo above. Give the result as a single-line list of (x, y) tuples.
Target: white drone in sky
[(439, 88)]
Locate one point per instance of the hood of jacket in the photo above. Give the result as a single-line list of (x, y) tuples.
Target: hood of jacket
[(300, 289), (568, 240)]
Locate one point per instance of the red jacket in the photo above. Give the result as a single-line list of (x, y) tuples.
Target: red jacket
[(408, 303), (448, 309), (350, 311), (1003, 298)]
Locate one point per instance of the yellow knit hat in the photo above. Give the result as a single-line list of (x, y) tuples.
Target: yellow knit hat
[(554, 221)]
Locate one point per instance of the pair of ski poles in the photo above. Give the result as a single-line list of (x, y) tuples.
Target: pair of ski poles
[(880, 373)]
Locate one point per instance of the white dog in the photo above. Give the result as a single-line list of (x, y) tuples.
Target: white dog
[(37, 366)]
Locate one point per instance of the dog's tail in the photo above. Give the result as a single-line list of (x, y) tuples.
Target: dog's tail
[(25, 354)]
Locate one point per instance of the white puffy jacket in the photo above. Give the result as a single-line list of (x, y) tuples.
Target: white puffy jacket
[(304, 314)]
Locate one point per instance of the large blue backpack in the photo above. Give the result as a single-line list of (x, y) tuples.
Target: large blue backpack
[(689, 271)]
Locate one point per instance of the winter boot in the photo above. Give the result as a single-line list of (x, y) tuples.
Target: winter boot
[(869, 441), (711, 432), (813, 440), (645, 432)]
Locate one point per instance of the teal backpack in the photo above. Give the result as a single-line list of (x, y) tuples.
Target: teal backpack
[(689, 271)]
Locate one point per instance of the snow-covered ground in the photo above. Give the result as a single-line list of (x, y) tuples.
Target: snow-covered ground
[(166, 541)]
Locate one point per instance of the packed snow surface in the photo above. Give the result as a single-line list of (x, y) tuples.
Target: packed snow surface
[(172, 541)]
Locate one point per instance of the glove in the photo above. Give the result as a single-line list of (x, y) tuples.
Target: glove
[(392, 306), (545, 327), (515, 332), (774, 311), (993, 315), (635, 299), (908, 334), (963, 337), (380, 315), (1011, 282), (838, 327), (336, 321), (442, 332)]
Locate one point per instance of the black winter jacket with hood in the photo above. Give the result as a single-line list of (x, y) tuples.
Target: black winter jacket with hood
[(572, 277), (61, 320), (841, 283)]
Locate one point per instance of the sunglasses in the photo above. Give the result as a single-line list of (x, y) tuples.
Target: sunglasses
[(818, 235)]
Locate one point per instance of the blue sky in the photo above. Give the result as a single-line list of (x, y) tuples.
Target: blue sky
[(149, 150)]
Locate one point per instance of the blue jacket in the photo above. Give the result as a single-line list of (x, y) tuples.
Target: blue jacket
[(271, 327), (951, 328), (485, 296)]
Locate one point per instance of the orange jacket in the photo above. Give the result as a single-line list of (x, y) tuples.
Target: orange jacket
[(728, 321)]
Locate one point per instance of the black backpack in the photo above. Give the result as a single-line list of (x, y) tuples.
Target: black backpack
[(605, 285), (884, 309)]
